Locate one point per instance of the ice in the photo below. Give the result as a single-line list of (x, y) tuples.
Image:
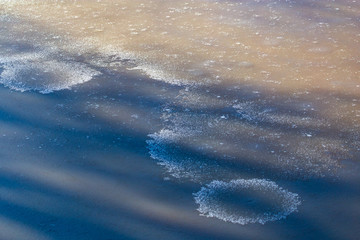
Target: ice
[(165, 148), (158, 73), (205, 137), (42, 72), (246, 201)]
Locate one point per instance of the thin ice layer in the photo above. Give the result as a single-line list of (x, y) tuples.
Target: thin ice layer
[(206, 138), (43, 74), (246, 201)]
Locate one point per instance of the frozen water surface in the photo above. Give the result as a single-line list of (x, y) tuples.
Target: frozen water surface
[(246, 201), (256, 103)]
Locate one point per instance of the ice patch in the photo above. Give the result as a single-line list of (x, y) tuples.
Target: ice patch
[(165, 148), (206, 141), (43, 73), (159, 74), (246, 201), (186, 159)]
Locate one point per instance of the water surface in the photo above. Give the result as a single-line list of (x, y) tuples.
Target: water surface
[(140, 119)]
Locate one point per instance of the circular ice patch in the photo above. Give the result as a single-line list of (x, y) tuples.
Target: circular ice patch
[(246, 201), (44, 76)]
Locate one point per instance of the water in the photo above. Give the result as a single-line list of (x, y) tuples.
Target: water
[(250, 108)]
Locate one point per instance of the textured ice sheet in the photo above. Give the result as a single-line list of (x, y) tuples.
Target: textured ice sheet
[(202, 141), (246, 201), (166, 149), (32, 60), (160, 74), (41, 73)]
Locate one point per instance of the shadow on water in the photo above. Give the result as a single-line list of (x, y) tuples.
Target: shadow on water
[(74, 164), (86, 174)]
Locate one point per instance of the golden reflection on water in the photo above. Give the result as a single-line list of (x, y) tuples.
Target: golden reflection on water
[(280, 45)]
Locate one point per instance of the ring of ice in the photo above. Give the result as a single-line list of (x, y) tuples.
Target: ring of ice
[(43, 74), (246, 201)]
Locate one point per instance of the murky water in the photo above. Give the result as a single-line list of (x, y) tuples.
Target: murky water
[(246, 95)]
